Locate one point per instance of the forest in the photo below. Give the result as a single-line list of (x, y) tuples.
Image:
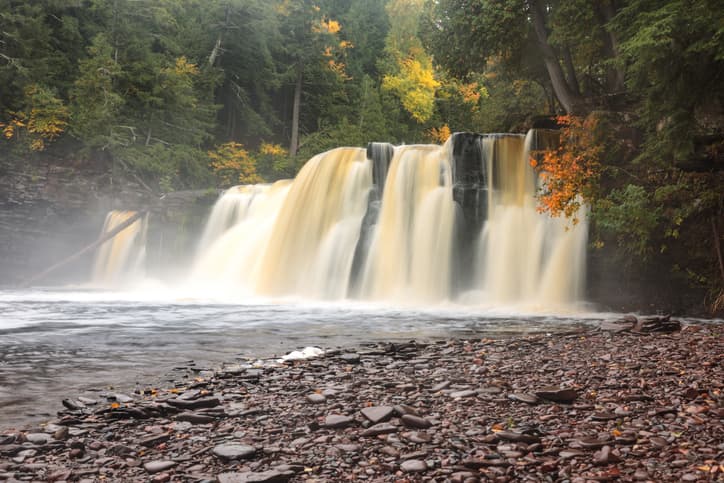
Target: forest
[(194, 94)]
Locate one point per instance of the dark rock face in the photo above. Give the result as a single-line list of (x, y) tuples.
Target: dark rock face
[(470, 192)]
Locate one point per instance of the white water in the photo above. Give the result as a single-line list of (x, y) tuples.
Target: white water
[(524, 256), (120, 260), (297, 239)]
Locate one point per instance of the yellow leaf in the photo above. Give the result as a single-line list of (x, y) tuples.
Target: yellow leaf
[(115, 405)]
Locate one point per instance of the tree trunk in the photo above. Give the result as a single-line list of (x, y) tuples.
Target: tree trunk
[(571, 102), (614, 75), (294, 144), (104, 238), (572, 79)]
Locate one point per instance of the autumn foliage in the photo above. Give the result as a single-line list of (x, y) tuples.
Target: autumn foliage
[(233, 165), (570, 171)]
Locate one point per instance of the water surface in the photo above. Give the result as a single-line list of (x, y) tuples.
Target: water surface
[(57, 343)]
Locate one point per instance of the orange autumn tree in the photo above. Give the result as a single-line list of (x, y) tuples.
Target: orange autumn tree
[(570, 171), (233, 165)]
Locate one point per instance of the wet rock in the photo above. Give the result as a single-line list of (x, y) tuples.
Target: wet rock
[(271, 476), (418, 437), (155, 440), (440, 386), (563, 396), (413, 466), (415, 422), (195, 418), (61, 433), (233, 451), (316, 398), (517, 437), (73, 405), (191, 404), (604, 456), (524, 397), (380, 428), (350, 358), (378, 414), (121, 398), (336, 421), (158, 466), (37, 438)]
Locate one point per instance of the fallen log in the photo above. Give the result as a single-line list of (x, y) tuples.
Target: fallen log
[(102, 239)]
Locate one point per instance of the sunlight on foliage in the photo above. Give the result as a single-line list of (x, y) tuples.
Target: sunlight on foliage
[(44, 120), (571, 171), (439, 135), (415, 85), (233, 164)]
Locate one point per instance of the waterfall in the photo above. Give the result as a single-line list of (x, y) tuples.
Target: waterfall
[(409, 258), (121, 258), (411, 224), (523, 255)]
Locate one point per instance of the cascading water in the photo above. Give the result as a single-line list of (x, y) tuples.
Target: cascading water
[(297, 238), (410, 254), (121, 258), (523, 255), (417, 224)]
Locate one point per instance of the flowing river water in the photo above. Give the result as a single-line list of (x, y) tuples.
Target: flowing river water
[(57, 343)]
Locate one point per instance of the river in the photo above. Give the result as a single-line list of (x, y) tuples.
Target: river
[(57, 343)]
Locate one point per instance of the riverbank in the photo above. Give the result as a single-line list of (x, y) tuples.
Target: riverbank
[(618, 402)]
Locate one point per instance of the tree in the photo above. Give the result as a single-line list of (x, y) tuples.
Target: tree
[(464, 35), (233, 165)]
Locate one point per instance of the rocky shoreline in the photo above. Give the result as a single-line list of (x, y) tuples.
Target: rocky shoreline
[(639, 400)]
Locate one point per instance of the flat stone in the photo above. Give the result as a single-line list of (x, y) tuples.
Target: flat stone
[(418, 437), (350, 358), (121, 398), (271, 476), (413, 466), (524, 397), (234, 451), (207, 402), (336, 421), (378, 414), (563, 396), (570, 453), (154, 440), (37, 438), (412, 421), (591, 443), (73, 405), (158, 466), (440, 386), (462, 394), (517, 437), (195, 418), (380, 428), (316, 398)]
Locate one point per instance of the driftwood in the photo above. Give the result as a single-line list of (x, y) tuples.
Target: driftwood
[(102, 239)]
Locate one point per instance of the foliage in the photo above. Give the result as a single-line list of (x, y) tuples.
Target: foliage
[(233, 165), (410, 74), (631, 214), (570, 171), (682, 99), (439, 135), (43, 120)]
